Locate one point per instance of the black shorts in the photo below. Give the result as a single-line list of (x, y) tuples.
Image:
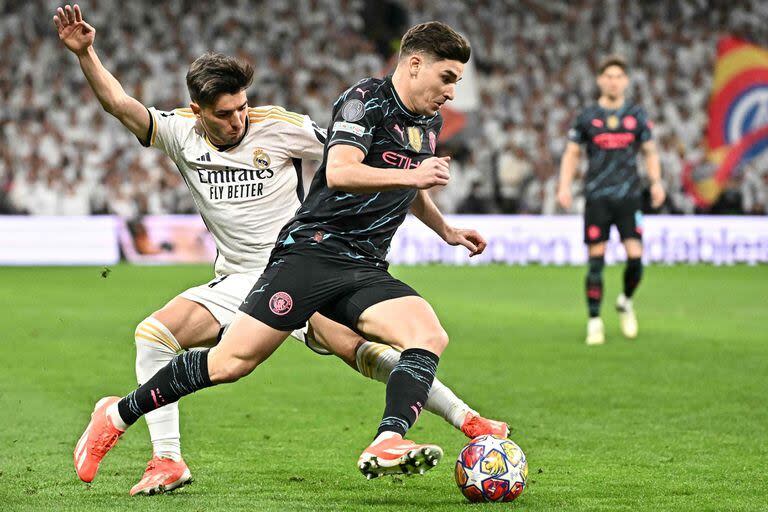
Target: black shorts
[(305, 279), (626, 214)]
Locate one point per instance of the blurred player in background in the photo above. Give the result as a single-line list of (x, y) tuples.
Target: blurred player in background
[(613, 130), (243, 167)]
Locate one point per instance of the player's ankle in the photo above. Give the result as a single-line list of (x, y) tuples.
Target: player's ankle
[(113, 414), (386, 434), (174, 456)]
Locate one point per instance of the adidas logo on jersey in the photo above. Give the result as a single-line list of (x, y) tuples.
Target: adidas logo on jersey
[(204, 158)]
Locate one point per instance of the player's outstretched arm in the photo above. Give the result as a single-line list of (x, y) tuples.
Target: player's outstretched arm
[(427, 212), (567, 171), (78, 37), (346, 171), (653, 166)]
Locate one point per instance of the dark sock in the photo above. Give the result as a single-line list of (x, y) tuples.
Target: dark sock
[(185, 374), (407, 390), (594, 285), (633, 273)]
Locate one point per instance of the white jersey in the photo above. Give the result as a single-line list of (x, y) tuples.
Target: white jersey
[(247, 192)]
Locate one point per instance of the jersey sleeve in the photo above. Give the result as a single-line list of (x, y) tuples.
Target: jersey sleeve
[(644, 126), (307, 141), (355, 120), (578, 132), (166, 129)]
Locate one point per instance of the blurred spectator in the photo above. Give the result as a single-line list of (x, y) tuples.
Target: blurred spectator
[(754, 187), (513, 170), (474, 202), (534, 63)]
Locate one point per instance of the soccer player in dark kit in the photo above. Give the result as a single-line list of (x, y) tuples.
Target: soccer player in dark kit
[(378, 164), (614, 130)]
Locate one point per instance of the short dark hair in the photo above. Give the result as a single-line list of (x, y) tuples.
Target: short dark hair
[(436, 39), (213, 74), (612, 60)]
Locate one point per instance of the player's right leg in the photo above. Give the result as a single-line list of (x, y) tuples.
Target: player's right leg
[(179, 325), (193, 319), (594, 290), (376, 361), (597, 225), (246, 344)]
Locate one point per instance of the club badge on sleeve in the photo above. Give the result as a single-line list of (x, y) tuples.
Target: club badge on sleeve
[(353, 110)]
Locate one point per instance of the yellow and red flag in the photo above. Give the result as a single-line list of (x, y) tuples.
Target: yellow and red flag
[(738, 115)]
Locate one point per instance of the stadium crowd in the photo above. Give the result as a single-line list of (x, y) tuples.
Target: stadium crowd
[(61, 154)]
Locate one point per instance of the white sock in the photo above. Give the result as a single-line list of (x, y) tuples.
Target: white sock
[(155, 347), (114, 416), (385, 435), (376, 361)]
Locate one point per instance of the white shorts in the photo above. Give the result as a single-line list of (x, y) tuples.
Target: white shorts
[(223, 295)]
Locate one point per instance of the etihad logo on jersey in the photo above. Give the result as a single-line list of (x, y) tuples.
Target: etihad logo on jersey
[(619, 140), (398, 160)]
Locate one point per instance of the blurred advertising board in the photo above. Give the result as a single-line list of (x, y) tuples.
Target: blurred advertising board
[(512, 239), (89, 240), (157, 239), (558, 240)]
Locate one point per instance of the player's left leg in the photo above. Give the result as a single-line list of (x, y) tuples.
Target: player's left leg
[(594, 289), (376, 361), (409, 324), (633, 273), (629, 223), (597, 226)]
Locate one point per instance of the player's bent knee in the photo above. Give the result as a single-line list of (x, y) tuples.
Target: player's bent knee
[(152, 331), (227, 368), (434, 341), (231, 370)]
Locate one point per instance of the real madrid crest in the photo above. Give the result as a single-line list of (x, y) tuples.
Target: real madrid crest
[(414, 138), (261, 159), (612, 122)]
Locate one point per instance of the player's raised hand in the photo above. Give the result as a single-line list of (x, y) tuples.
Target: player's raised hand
[(75, 33), (432, 172), (469, 238), (564, 197)]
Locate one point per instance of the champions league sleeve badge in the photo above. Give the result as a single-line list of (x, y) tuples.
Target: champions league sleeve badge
[(353, 110)]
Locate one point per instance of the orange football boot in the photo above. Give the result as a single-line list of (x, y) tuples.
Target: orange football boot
[(162, 475), (475, 426), (99, 437), (395, 455)]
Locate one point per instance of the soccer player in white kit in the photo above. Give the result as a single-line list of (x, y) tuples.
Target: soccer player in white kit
[(243, 168)]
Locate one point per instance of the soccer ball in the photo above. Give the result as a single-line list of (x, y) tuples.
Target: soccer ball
[(491, 468)]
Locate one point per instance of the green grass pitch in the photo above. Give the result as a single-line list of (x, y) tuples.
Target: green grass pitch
[(676, 420)]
